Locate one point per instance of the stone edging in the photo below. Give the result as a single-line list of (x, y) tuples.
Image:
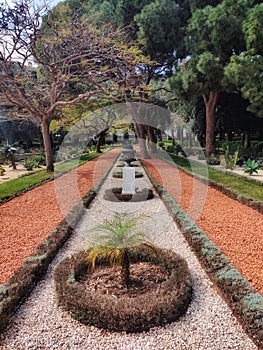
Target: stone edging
[(239, 176), (246, 304), (34, 267)]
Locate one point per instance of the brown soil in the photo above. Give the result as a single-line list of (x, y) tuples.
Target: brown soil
[(235, 228), (26, 221), (107, 280)]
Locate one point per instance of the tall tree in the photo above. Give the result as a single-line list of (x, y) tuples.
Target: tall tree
[(44, 68), (245, 70), (210, 48), (159, 27)]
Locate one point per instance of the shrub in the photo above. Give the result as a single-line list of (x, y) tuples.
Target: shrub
[(2, 157), (39, 160), (2, 171), (170, 149), (115, 194), (119, 174), (213, 160), (160, 144), (28, 164)]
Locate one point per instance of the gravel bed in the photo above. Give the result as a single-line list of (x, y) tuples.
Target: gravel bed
[(207, 324)]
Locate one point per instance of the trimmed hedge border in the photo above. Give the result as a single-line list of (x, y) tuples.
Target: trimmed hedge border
[(249, 201), (246, 304), (119, 174), (115, 195), (169, 300), (34, 267)]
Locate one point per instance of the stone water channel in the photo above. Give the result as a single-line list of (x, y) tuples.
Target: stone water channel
[(207, 324)]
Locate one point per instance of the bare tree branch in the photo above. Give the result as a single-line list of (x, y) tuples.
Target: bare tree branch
[(44, 68)]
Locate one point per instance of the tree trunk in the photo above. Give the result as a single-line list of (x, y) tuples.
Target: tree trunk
[(182, 135), (47, 144), (100, 136), (125, 269), (12, 159), (99, 143), (247, 140), (152, 139), (139, 131), (173, 137), (141, 140), (210, 105)]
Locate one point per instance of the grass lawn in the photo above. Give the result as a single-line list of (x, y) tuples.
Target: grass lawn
[(242, 186), (10, 188)]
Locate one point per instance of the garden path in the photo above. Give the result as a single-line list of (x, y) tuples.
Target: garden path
[(234, 227), (208, 323)]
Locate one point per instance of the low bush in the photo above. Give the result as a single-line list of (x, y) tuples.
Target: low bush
[(2, 171), (115, 194), (119, 174), (231, 159), (29, 164), (213, 160)]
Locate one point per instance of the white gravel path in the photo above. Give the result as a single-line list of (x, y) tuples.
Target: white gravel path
[(207, 325)]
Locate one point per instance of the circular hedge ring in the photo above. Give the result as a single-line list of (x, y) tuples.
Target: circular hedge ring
[(157, 307), (119, 174), (115, 195)]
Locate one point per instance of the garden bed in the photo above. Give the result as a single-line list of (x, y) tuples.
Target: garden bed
[(124, 309), (115, 194)]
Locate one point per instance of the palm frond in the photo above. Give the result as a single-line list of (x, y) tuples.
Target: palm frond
[(117, 236)]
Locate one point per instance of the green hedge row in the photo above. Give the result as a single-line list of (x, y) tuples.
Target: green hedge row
[(245, 303)]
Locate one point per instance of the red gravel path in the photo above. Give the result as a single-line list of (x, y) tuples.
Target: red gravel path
[(235, 228), (26, 221)]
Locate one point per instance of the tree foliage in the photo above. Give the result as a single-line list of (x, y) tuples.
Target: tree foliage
[(245, 70), (216, 41), (71, 61)]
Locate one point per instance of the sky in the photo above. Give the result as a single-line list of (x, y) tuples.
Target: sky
[(51, 3)]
